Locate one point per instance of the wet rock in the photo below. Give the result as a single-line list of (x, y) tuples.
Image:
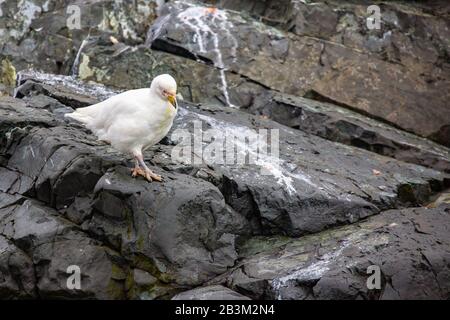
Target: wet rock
[(272, 12), (345, 126), (318, 183), (189, 233), (67, 199), (130, 67), (240, 56), (345, 22), (17, 278), (410, 247), (184, 231), (55, 244), (326, 68), (49, 35), (210, 293), (121, 211)]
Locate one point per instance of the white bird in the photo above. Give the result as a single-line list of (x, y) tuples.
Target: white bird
[(134, 120)]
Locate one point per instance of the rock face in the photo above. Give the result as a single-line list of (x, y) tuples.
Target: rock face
[(402, 67), (360, 116), (49, 34), (421, 51), (343, 125), (392, 81), (409, 247), (65, 192)]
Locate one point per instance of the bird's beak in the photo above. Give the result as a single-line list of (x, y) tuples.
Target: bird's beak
[(173, 100)]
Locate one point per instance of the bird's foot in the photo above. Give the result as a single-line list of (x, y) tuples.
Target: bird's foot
[(140, 172), (147, 174), (136, 171)]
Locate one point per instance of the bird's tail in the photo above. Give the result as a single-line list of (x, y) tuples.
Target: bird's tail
[(84, 115), (79, 116)]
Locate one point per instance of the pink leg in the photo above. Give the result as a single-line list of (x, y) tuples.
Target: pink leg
[(142, 169)]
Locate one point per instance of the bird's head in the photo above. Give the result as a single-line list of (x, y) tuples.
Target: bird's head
[(165, 87)]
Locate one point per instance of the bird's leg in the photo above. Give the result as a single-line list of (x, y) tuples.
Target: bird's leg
[(149, 175), (146, 172), (137, 171)]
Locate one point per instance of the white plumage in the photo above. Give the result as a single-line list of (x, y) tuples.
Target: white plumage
[(134, 120)]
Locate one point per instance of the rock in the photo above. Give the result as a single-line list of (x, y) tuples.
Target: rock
[(318, 184), (331, 37), (60, 188), (151, 229), (143, 278), (55, 87), (443, 197), (189, 233), (130, 67), (83, 193), (245, 72), (17, 279), (50, 35), (270, 11), (410, 247), (55, 244), (345, 126), (326, 68), (210, 293), (7, 77), (304, 220)]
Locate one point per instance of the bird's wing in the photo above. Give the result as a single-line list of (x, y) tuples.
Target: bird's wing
[(129, 134), (100, 116)]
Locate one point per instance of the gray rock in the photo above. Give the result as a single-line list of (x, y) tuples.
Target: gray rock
[(210, 293), (249, 56), (189, 233), (265, 55), (143, 278), (410, 247), (17, 278), (49, 35), (319, 184), (130, 67), (55, 244), (345, 126), (63, 191)]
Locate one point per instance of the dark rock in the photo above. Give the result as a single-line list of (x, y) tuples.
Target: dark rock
[(17, 278), (345, 126), (210, 293), (410, 246), (67, 199), (272, 12), (133, 67), (239, 57), (54, 244), (327, 68), (318, 183), (50, 35), (189, 233)]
